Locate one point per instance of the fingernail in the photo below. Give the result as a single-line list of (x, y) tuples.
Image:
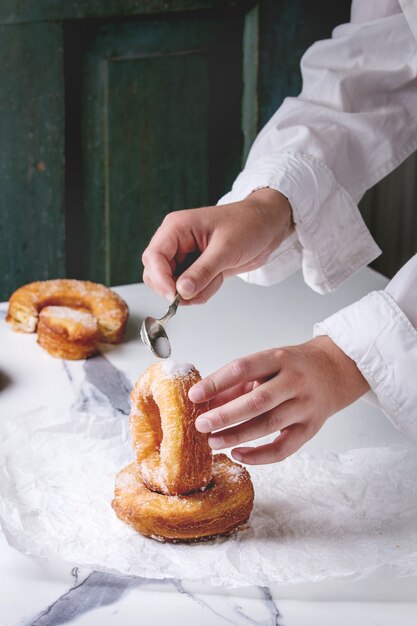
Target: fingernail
[(203, 425), (215, 442), (195, 394), (237, 456), (186, 288)]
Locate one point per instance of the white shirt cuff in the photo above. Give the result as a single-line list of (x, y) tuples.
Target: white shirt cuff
[(332, 241), (378, 336)]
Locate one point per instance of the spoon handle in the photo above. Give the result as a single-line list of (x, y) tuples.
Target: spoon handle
[(172, 309)]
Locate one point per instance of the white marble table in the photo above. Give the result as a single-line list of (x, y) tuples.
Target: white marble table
[(239, 320)]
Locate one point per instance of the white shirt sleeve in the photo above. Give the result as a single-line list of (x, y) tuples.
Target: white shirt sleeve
[(353, 122), (379, 332)]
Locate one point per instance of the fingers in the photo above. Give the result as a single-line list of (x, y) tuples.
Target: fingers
[(203, 296), (257, 402), (230, 394), (158, 276), (277, 419), (244, 370), (180, 235), (288, 442), (170, 244), (204, 274)]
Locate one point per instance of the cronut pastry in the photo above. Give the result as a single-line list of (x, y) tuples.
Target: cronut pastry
[(177, 490), (62, 333)]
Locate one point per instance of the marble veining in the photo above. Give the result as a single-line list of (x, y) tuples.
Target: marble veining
[(97, 589), (179, 586), (233, 612), (112, 382), (271, 604), (98, 385)]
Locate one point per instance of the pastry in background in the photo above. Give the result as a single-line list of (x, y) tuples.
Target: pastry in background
[(99, 314)]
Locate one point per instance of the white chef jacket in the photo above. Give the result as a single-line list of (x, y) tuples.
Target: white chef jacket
[(354, 121)]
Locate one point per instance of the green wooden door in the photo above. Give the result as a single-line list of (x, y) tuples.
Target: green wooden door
[(112, 114), (156, 128)]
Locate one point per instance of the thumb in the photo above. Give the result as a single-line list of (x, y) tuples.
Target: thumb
[(201, 273)]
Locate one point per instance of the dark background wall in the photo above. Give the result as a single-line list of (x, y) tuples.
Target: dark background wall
[(115, 112)]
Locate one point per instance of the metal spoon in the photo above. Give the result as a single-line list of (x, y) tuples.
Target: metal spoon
[(153, 335)]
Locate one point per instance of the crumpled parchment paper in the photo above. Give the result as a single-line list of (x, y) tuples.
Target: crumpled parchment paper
[(315, 517)]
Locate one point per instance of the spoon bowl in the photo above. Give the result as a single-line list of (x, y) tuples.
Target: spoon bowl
[(153, 335)]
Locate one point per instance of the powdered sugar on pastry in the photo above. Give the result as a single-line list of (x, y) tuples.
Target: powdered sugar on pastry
[(157, 475), (173, 369), (67, 313), (234, 472)]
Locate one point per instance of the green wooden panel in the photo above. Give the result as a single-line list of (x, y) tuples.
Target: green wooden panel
[(13, 11), (250, 80), (162, 165), (31, 155), (286, 29), (159, 127)]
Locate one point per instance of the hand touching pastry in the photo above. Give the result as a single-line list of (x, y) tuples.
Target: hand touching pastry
[(291, 391)]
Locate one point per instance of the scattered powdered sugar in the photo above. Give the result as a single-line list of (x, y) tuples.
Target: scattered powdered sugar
[(162, 347), (173, 369)]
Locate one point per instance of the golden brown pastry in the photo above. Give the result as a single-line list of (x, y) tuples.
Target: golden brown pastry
[(67, 333), (221, 509), (172, 456), (105, 305), (177, 490)]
